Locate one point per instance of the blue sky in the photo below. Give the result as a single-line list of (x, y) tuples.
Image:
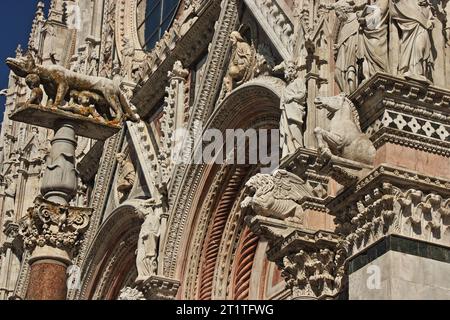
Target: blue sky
[(16, 17)]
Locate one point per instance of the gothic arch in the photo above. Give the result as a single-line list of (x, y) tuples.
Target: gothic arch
[(206, 230), (111, 257), (126, 26)]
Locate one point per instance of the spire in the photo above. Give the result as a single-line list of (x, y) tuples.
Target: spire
[(19, 51), (37, 23), (56, 12)]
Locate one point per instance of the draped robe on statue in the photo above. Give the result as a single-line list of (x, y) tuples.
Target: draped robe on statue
[(374, 39), (293, 112), (346, 60), (147, 250), (414, 21)]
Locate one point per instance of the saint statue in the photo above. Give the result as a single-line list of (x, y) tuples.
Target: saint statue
[(127, 176), (292, 110), (414, 19), (10, 197), (373, 48), (347, 44), (241, 63), (148, 245)]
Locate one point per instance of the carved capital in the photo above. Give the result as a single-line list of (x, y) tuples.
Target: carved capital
[(128, 293), (310, 262), (54, 225), (159, 288)]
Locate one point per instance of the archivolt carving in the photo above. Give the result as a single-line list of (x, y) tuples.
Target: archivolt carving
[(211, 82), (244, 265), (215, 234), (117, 236), (197, 243), (126, 28), (263, 92), (103, 183)]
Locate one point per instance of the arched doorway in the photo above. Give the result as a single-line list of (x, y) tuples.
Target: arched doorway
[(208, 248), (111, 260)]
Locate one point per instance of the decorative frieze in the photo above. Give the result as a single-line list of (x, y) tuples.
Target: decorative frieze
[(393, 201)]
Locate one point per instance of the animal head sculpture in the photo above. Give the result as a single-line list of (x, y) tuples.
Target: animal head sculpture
[(22, 66)]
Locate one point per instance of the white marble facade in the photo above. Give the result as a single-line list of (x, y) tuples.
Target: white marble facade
[(359, 89)]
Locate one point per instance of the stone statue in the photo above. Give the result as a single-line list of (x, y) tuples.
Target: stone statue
[(58, 82), (344, 137), (242, 61), (33, 82), (292, 110), (373, 48), (10, 196), (127, 176), (415, 21), (93, 63), (87, 103), (127, 59), (275, 196), (347, 44), (148, 245)]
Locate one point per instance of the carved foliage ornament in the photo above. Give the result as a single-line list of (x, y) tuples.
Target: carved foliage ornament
[(318, 273), (389, 209), (48, 223)]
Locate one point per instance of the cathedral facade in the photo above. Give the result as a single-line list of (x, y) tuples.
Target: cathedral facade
[(110, 190)]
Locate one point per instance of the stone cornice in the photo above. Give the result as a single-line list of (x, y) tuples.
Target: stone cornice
[(388, 174), (301, 238), (395, 136), (160, 288), (422, 100)]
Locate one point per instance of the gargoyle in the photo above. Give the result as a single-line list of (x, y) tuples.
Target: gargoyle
[(344, 138), (275, 196), (58, 82)]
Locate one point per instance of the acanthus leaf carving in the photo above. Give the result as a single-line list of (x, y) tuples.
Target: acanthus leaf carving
[(51, 224)]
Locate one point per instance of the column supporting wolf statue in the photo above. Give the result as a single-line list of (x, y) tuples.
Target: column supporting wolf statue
[(77, 105)]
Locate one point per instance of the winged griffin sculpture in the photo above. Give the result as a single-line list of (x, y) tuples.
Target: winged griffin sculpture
[(277, 195)]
